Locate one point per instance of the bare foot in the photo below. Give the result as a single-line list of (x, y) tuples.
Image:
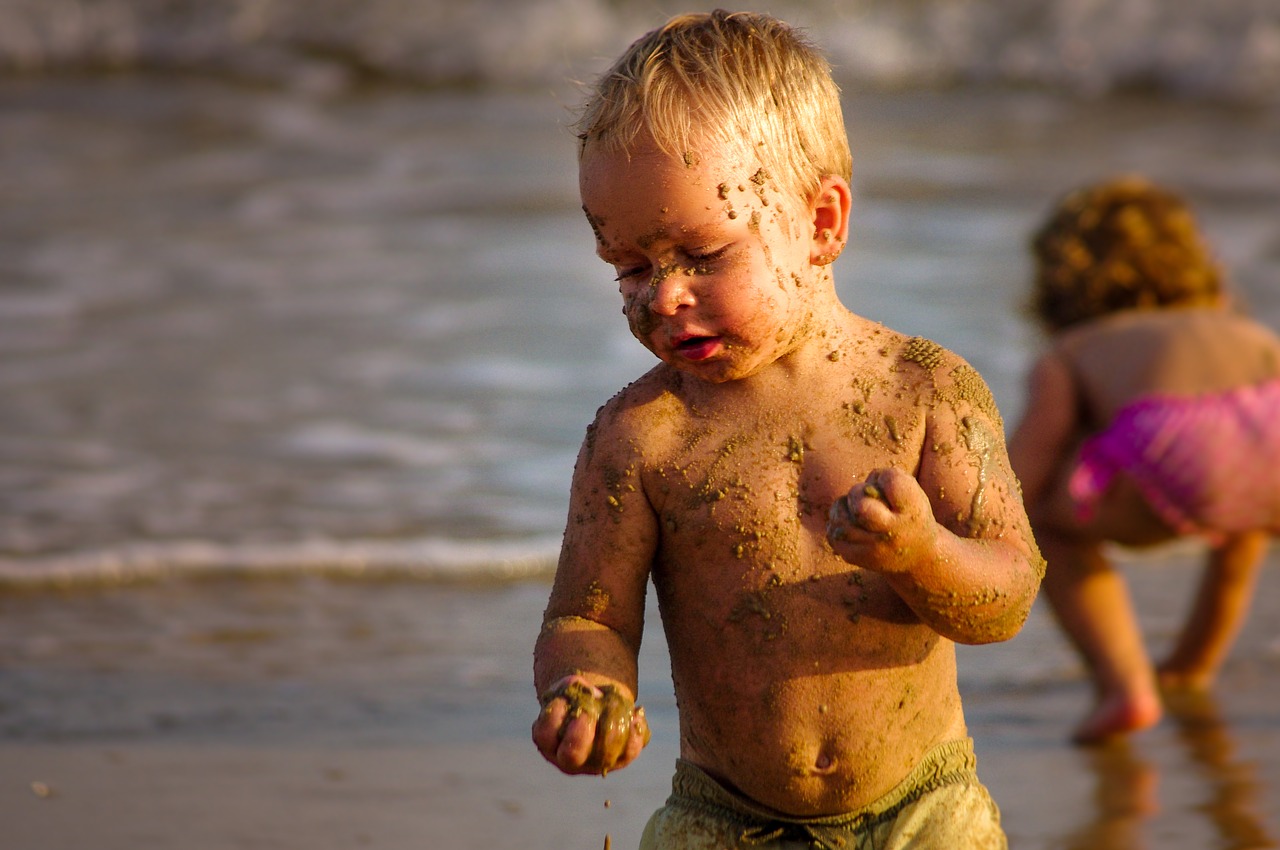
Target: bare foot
[(1173, 678), (1118, 714)]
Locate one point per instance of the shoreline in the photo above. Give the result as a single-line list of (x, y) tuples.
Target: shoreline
[(412, 731)]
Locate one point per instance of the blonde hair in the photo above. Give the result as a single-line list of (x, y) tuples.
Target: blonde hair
[(1121, 244), (738, 78)]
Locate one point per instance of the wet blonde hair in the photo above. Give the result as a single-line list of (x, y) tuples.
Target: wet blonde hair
[(736, 78), (1121, 244)]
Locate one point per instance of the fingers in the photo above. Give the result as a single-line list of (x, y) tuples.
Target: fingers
[(870, 515), (613, 729), (865, 510), (546, 729), (894, 487), (584, 729), (637, 740)]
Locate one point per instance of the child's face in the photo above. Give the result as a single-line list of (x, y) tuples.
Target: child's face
[(713, 261)]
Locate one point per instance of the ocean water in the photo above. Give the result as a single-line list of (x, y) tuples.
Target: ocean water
[(297, 346), (247, 330)]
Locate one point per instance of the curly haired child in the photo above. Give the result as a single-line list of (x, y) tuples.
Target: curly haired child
[(1153, 415)]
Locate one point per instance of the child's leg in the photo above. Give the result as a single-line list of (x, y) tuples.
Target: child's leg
[(1091, 602), (1219, 610)]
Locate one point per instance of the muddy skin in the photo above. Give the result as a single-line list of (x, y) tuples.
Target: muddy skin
[(637, 307), (979, 440), (640, 317), (923, 351), (968, 385), (612, 712), (596, 223)]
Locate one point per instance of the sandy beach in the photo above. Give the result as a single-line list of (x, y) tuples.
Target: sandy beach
[(415, 734)]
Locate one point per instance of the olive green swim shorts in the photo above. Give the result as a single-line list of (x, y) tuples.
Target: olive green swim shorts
[(940, 806)]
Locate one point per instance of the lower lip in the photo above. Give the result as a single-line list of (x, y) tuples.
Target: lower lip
[(700, 349)]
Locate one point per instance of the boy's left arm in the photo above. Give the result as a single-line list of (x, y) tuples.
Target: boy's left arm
[(953, 540)]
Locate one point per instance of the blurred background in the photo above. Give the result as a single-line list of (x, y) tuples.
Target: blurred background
[(301, 326)]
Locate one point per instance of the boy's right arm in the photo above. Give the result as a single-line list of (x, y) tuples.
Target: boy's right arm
[(585, 658)]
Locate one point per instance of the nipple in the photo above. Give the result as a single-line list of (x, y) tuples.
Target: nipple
[(825, 763)]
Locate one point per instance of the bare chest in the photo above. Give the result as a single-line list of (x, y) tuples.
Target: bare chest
[(746, 499)]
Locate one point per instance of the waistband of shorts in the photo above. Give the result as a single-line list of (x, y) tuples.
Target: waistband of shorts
[(944, 764)]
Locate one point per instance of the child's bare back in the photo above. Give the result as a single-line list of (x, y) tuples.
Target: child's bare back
[(1186, 351)]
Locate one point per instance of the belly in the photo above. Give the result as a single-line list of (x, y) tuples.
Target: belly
[(808, 717)]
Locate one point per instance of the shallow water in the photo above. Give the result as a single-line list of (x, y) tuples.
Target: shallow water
[(355, 339), (242, 328)]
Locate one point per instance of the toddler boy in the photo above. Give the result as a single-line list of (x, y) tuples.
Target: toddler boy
[(824, 505)]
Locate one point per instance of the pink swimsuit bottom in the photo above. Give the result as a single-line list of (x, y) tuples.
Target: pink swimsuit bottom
[(1207, 464)]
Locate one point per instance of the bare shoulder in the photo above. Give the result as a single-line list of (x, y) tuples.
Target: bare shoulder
[(945, 381), (629, 437), (964, 465), (639, 416), (611, 533)]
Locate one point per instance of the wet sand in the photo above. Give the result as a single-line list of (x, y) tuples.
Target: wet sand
[(414, 734)]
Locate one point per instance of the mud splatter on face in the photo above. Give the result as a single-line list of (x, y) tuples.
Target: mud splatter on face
[(761, 179), (637, 306), (596, 223)]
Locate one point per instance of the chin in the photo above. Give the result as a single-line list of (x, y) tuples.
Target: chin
[(712, 372)]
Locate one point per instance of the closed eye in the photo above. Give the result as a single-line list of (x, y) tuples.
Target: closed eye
[(707, 255), (629, 272)]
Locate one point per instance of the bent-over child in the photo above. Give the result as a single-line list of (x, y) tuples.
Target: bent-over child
[(824, 505), (1154, 414)]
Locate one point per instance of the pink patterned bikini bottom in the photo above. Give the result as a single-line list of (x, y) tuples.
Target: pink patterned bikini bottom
[(1207, 464)]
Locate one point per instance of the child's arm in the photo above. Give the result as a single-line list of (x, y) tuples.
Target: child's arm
[(1219, 609), (585, 667), (953, 540)]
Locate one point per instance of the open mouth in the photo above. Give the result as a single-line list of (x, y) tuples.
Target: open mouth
[(698, 347)]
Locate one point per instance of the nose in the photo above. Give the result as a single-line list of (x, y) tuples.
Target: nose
[(672, 289)]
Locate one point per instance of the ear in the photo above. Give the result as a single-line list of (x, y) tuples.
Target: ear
[(829, 211)]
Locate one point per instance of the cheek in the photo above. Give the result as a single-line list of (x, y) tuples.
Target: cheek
[(636, 307)]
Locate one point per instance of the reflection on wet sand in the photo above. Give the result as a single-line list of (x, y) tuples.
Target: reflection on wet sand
[(1126, 791), (1235, 804), (1124, 798)]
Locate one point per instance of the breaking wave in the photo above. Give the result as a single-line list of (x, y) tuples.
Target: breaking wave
[(1228, 49), (428, 560)]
